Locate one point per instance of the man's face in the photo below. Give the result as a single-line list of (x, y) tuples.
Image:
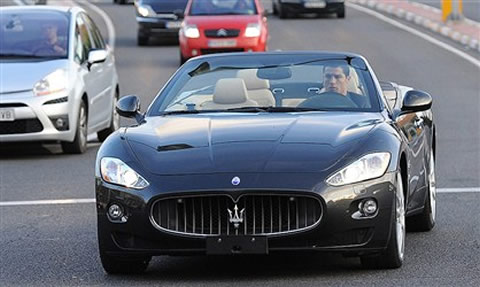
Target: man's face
[(50, 32), (335, 80)]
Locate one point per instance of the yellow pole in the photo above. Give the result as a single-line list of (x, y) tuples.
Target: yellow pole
[(446, 9)]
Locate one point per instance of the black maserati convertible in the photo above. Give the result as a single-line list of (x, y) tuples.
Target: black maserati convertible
[(258, 153)]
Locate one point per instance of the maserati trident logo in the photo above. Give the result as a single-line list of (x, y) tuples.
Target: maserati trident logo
[(222, 33), (236, 180), (235, 217)]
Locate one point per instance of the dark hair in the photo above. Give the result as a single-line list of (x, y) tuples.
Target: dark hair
[(345, 68)]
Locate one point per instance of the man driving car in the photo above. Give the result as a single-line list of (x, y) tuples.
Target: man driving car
[(336, 78)]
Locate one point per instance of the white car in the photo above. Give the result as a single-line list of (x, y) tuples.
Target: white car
[(58, 80)]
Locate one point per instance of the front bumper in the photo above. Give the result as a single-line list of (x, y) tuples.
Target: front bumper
[(337, 231), (299, 8), (202, 46), (158, 27), (35, 117)]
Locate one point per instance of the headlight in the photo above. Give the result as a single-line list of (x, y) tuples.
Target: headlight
[(367, 167), (145, 11), (191, 31), (253, 30), (116, 171), (53, 83)]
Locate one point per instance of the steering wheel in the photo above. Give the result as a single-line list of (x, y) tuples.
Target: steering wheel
[(328, 100)]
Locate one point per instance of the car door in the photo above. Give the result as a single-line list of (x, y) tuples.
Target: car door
[(103, 73), (83, 45)]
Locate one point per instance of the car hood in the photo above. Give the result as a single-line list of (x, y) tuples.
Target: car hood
[(222, 21), (247, 143), (22, 76)]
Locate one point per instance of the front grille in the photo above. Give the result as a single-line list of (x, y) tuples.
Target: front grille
[(12, 105), (222, 50), (261, 214), (21, 127), (222, 33)]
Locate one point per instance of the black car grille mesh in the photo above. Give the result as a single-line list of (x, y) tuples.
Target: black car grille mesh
[(21, 126), (259, 214), (222, 33)]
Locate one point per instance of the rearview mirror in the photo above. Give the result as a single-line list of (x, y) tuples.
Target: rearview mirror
[(129, 107), (416, 101), (96, 56)]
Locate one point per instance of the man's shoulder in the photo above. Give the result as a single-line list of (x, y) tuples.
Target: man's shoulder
[(360, 100)]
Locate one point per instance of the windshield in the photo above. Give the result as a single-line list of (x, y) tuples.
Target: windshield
[(34, 34), (326, 85), (165, 6), (223, 7)]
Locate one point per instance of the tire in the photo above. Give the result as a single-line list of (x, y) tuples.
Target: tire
[(282, 13), (341, 12), (114, 122), (122, 2), (123, 265), (142, 40), (393, 256), (79, 144), (182, 59), (425, 221)]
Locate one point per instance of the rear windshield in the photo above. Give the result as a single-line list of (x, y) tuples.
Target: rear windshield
[(41, 34), (165, 6), (223, 7)]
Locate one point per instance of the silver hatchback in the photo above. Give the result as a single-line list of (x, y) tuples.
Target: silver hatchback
[(58, 80)]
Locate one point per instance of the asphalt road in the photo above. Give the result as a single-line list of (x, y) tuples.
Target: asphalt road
[(55, 245)]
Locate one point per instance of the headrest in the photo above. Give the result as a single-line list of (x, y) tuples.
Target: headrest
[(230, 91), (252, 81)]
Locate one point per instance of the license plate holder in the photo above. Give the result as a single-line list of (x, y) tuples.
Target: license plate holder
[(173, 24), (222, 43), (225, 245), (317, 4), (7, 115)]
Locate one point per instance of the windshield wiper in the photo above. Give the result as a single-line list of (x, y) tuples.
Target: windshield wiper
[(15, 55), (27, 56), (270, 109)]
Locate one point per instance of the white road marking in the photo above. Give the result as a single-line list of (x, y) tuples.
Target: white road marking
[(47, 202), (92, 200), (458, 190), (417, 33), (108, 22)]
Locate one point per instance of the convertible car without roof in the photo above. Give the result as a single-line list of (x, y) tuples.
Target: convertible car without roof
[(268, 152)]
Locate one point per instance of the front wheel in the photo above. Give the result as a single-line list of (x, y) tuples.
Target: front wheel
[(425, 221), (123, 265), (393, 256), (79, 144), (341, 12), (142, 40)]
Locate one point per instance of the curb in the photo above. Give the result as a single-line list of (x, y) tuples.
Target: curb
[(434, 26)]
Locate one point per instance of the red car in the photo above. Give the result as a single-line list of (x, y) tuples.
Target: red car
[(216, 26)]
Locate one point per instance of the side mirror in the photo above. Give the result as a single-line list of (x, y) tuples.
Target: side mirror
[(179, 13), (416, 101), (96, 56), (129, 107)]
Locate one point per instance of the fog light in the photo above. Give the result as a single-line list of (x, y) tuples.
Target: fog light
[(60, 122), (194, 52), (249, 50), (369, 207), (115, 211)]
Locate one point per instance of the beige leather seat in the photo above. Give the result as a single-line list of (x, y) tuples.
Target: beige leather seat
[(229, 93), (258, 89)]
